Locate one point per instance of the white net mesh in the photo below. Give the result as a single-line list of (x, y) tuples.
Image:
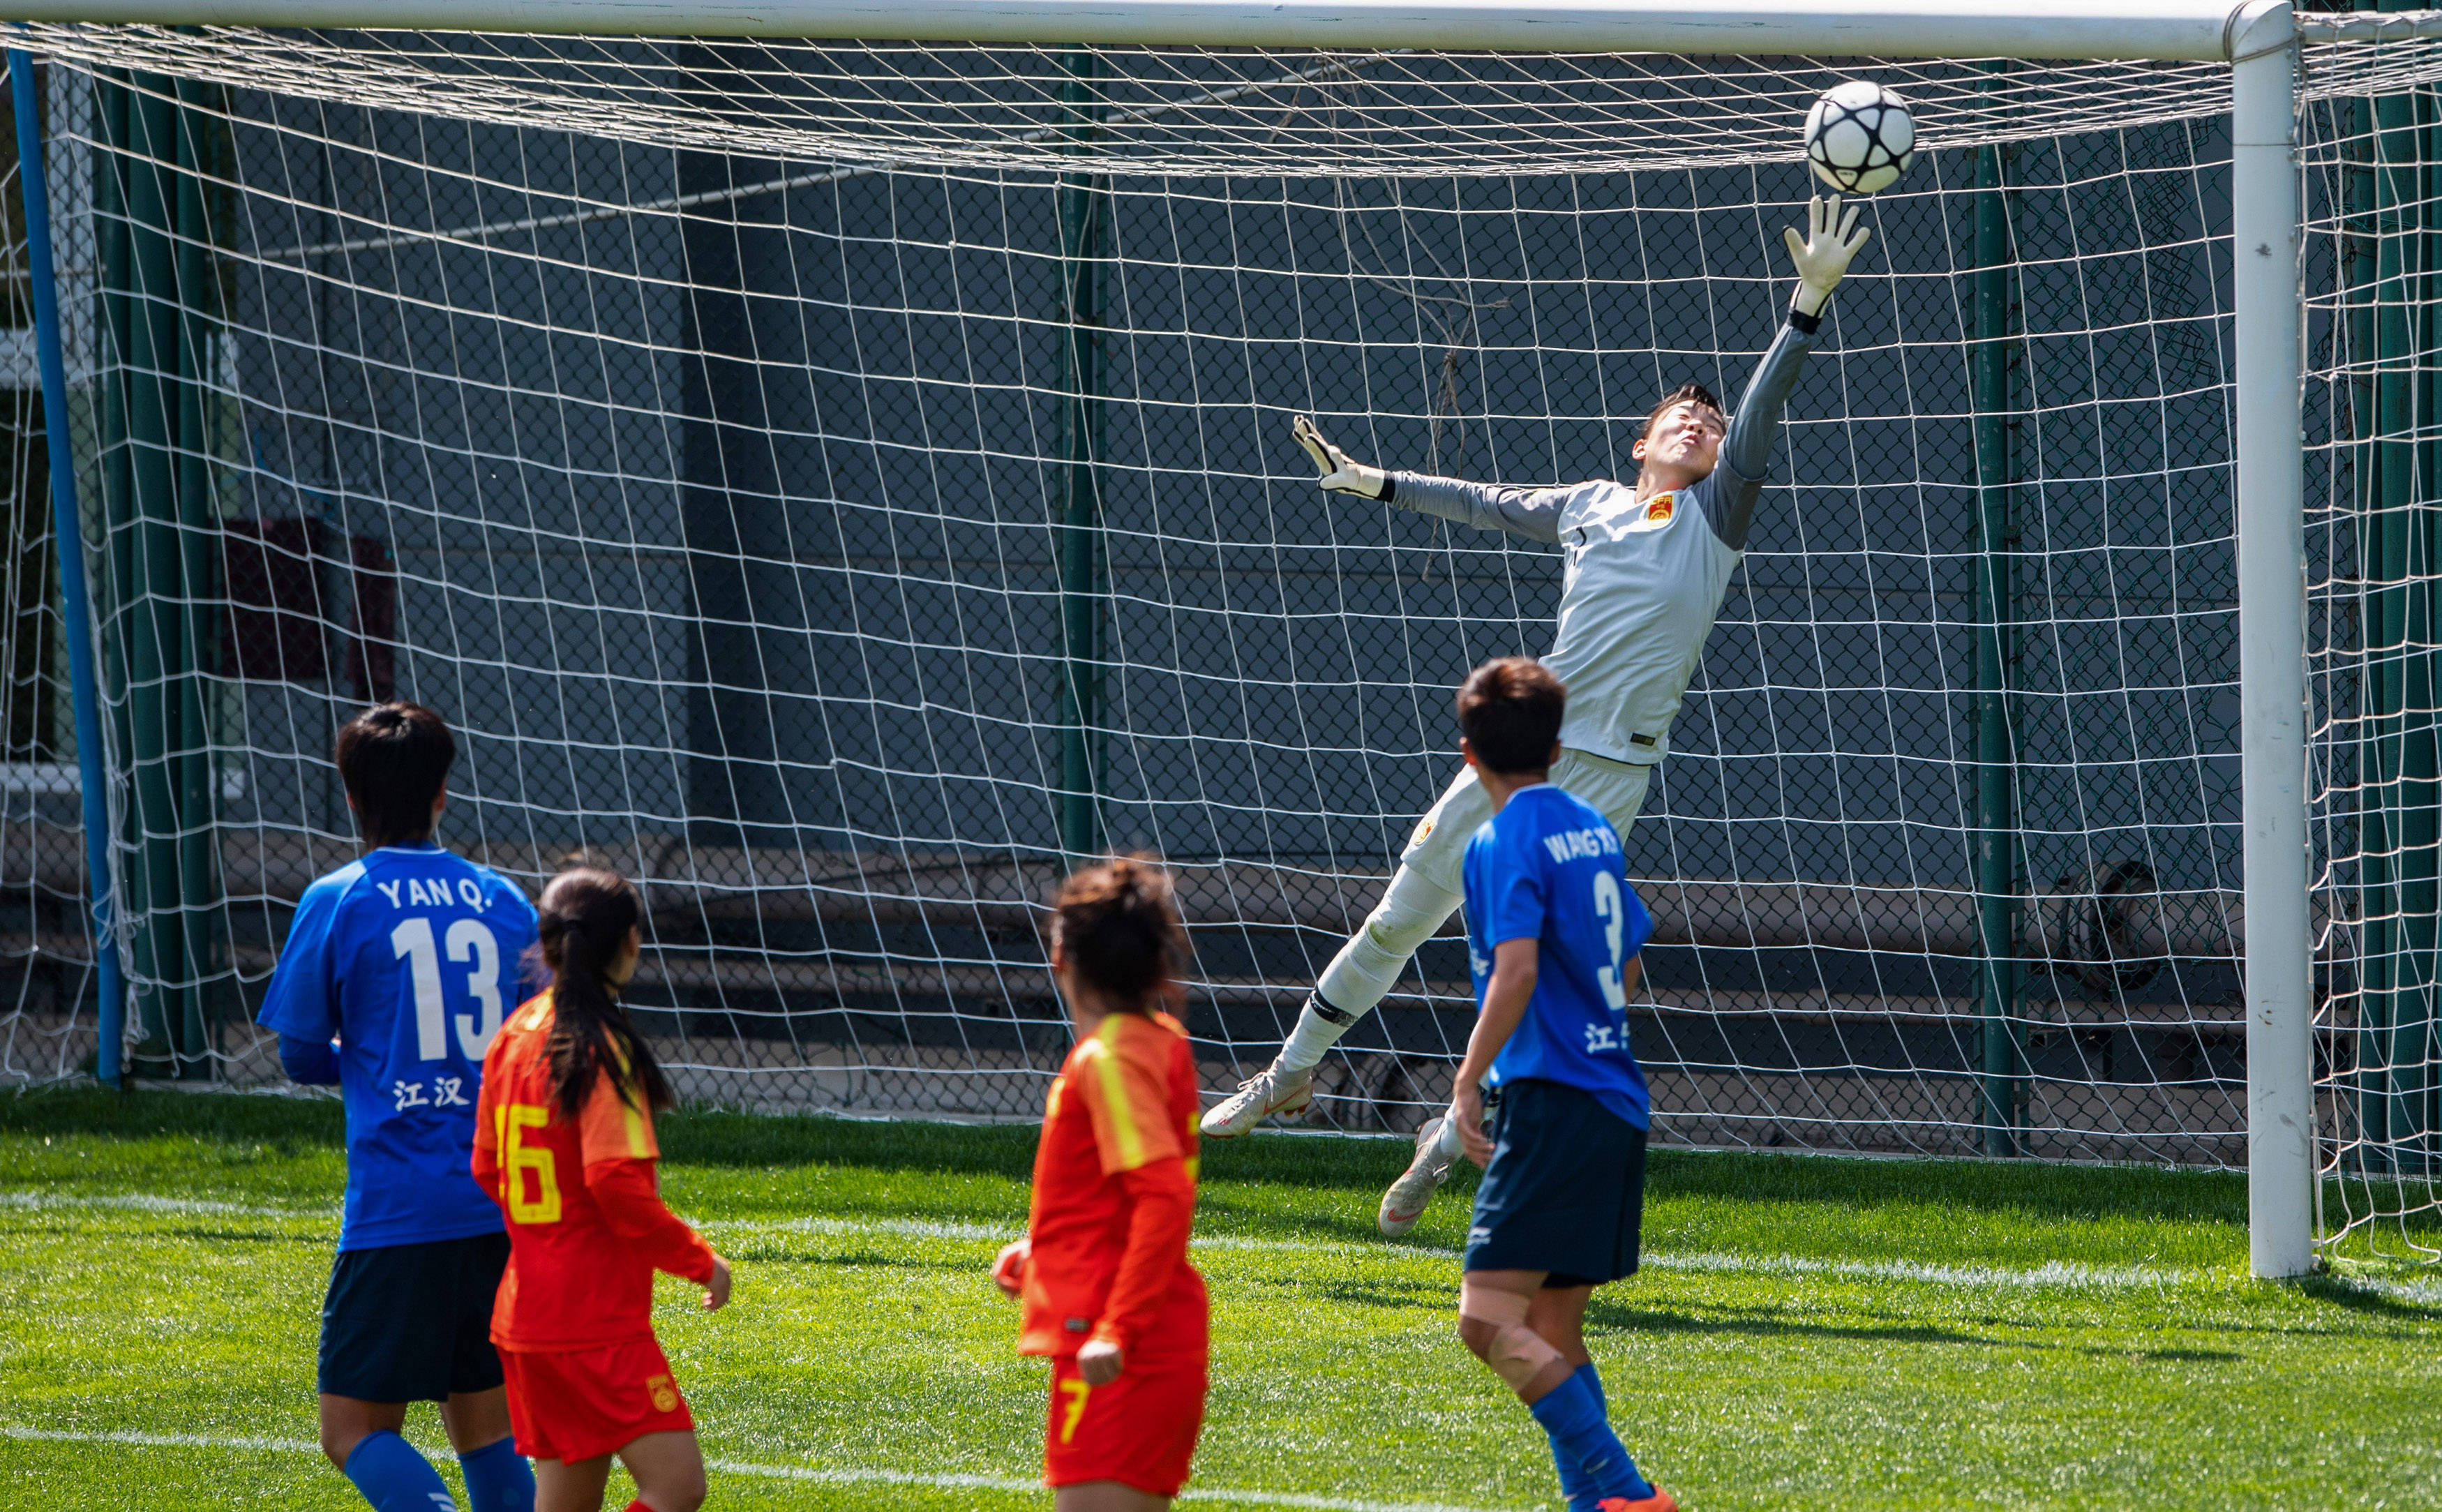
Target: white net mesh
[(695, 423)]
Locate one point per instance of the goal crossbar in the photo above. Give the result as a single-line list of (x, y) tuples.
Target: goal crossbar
[(2205, 31)]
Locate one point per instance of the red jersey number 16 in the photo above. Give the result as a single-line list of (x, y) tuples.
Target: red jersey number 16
[(520, 1160)]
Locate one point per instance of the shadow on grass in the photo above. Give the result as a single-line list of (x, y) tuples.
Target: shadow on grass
[(2367, 1297), (764, 1253), (147, 1226), (714, 1137), (1615, 1317), (277, 1122), (1393, 1295)]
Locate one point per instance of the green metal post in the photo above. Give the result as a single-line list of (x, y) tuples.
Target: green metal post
[(161, 581), (2413, 1058), (2403, 763), (2363, 279), (2003, 1060), (198, 538), (1085, 233)]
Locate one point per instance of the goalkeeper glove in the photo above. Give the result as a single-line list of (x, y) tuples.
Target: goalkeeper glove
[(1340, 475), (1822, 255)]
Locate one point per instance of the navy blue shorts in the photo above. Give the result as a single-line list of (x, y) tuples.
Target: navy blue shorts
[(412, 1322), (1565, 1191)]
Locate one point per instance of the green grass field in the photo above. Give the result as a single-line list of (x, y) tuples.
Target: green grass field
[(1808, 1333)]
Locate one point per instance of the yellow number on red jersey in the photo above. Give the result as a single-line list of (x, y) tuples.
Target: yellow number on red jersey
[(1078, 1392), (517, 1158)]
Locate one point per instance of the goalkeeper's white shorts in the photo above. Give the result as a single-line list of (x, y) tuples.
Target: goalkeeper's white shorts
[(1428, 887)]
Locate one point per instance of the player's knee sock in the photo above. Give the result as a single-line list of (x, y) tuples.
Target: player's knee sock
[(499, 1479), (394, 1478), (1577, 1487), (1572, 1417)]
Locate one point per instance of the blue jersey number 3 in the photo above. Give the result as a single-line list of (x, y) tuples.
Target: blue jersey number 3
[(1610, 908)]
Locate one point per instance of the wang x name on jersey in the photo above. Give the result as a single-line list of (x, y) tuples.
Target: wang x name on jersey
[(1547, 868)]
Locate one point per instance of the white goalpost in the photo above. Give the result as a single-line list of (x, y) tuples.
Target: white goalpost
[(905, 388)]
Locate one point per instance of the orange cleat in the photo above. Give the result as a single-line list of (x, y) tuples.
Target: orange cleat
[(1661, 1501)]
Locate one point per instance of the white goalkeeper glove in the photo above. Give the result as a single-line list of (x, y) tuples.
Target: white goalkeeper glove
[(1822, 256), (1340, 475)]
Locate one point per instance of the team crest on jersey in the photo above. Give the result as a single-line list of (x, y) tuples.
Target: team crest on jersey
[(1424, 832), (1657, 512)]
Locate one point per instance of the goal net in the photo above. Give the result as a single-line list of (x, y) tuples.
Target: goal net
[(838, 483)]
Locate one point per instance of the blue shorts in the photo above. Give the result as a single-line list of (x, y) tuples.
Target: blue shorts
[(412, 1323), (1565, 1191)]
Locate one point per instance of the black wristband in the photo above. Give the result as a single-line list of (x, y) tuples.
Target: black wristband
[(1389, 487), (1800, 320)]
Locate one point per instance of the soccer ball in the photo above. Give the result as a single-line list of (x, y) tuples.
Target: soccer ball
[(1860, 138)]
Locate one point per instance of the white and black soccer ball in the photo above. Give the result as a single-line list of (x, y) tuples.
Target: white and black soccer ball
[(1860, 138)]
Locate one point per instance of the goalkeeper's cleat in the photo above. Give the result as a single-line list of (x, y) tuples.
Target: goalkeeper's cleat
[(1269, 1091), (1414, 1191), (1661, 1501)]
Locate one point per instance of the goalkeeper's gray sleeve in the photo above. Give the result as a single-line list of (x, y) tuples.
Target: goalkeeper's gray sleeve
[(1728, 496), (1534, 513)]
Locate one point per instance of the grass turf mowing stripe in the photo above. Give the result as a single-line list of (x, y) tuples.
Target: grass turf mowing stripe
[(2056, 1275), (815, 1474)]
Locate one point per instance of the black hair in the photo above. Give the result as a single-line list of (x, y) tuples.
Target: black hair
[(587, 913), (1118, 924), (1684, 394), (1510, 710), (393, 760)]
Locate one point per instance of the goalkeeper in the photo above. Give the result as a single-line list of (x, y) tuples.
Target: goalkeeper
[(1647, 567)]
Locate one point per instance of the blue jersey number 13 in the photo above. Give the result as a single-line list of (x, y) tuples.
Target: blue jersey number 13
[(467, 938)]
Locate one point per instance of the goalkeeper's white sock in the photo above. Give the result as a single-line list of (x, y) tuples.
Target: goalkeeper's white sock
[(1446, 1144), (1318, 1029)]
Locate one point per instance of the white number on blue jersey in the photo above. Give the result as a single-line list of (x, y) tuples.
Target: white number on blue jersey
[(468, 936), (1613, 913), (413, 939)]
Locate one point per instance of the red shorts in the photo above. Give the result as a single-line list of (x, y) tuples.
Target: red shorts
[(582, 1404), (1140, 1429)]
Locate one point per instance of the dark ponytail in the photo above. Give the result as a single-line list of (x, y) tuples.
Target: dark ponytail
[(1117, 924), (586, 916)]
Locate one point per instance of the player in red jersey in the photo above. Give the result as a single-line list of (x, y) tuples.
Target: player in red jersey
[(1102, 1270), (564, 1143)]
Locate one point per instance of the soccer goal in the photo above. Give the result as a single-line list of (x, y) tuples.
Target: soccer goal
[(841, 479)]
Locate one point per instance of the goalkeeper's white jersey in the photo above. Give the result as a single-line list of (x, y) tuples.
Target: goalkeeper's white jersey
[(1644, 579)]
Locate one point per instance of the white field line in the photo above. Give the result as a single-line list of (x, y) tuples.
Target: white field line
[(819, 1475), (2054, 1276)]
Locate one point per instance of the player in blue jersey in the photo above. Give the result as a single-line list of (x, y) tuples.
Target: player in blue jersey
[(396, 973), (1553, 935)]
